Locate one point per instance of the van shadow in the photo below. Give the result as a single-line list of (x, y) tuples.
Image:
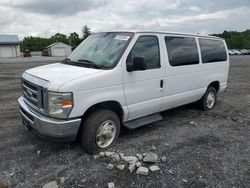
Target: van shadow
[(183, 114), (187, 111)]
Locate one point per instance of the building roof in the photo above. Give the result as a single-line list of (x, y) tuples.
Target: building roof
[(9, 39), (56, 43)]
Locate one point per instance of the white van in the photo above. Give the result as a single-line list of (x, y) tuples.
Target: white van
[(118, 78)]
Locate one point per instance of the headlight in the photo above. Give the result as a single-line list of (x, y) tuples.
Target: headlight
[(59, 104)]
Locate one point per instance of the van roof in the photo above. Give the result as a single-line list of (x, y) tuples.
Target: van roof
[(165, 32)]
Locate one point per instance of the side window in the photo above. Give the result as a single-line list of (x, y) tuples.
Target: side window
[(182, 50), (212, 50), (147, 48)]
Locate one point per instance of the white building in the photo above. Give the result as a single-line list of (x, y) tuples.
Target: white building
[(59, 49), (9, 46)]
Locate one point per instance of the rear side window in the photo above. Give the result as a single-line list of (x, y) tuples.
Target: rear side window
[(182, 50), (146, 47), (212, 50)]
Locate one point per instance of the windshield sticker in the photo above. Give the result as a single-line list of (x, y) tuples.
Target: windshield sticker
[(122, 37)]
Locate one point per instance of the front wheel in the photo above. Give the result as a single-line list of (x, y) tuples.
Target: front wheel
[(100, 131), (209, 99)]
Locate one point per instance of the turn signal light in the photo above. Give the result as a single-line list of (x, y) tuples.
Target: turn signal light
[(66, 103)]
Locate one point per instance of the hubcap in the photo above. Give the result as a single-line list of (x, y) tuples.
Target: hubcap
[(106, 134), (210, 99)]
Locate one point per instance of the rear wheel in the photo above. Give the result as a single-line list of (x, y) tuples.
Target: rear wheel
[(100, 131), (209, 99)]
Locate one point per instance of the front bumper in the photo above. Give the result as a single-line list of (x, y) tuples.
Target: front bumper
[(60, 130)]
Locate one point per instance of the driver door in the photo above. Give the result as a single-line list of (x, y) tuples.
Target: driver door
[(144, 88)]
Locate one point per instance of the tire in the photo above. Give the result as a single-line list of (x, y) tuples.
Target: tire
[(100, 121), (207, 103)]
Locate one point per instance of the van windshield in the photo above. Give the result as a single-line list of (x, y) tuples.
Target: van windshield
[(101, 50)]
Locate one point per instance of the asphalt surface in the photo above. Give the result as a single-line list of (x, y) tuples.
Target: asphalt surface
[(211, 151)]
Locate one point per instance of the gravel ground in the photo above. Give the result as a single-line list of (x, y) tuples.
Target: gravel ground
[(211, 151)]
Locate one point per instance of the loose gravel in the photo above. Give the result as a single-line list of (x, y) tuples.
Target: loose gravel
[(201, 149)]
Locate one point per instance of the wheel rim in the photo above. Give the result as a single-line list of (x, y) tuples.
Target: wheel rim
[(210, 99), (105, 134)]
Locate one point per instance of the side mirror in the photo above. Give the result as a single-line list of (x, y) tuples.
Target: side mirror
[(136, 64)]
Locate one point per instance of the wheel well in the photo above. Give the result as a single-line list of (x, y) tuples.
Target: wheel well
[(216, 85), (111, 105)]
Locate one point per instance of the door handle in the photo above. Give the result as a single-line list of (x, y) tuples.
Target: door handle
[(161, 84)]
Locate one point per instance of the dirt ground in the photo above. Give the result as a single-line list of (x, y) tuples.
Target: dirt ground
[(212, 151)]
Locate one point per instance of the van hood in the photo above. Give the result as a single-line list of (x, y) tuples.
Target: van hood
[(57, 74)]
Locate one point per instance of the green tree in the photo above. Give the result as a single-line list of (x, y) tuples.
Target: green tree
[(38, 43), (34, 43), (85, 32), (58, 37), (236, 40), (74, 39)]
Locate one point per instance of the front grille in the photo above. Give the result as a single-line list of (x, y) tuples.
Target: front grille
[(33, 94)]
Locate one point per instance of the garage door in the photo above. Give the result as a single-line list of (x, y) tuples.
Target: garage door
[(7, 51), (59, 51)]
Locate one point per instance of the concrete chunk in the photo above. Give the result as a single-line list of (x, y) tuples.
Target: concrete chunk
[(132, 166), (121, 155), (110, 166), (150, 158), (134, 160), (185, 181), (142, 171), (138, 164), (154, 168), (192, 123), (51, 184), (115, 157), (111, 185), (164, 159), (102, 154), (139, 156), (62, 179), (154, 148), (109, 153), (120, 167), (130, 159)]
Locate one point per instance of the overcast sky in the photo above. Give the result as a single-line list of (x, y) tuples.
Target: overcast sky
[(47, 17)]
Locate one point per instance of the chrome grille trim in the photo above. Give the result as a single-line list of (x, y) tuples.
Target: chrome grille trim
[(31, 94), (34, 92), (30, 97)]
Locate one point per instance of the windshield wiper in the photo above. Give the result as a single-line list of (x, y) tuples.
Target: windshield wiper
[(83, 62), (91, 63)]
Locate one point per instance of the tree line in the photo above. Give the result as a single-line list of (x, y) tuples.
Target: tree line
[(234, 39), (39, 43)]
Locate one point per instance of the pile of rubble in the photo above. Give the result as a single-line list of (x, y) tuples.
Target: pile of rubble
[(142, 163)]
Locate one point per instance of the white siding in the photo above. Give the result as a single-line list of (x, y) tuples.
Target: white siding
[(59, 49), (9, 51), (18, 51)]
